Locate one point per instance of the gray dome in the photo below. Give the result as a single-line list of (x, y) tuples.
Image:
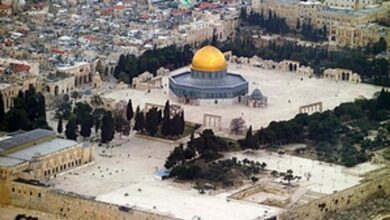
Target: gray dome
[(257, 95)]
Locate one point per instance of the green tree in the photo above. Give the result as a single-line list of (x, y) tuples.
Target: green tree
[(2, 108), (41, 106), (129, 110), (176, 157), (71, 128), (139, 124), (60, 126), (166, 128), (108, 128), (86, 126), (151, 121)]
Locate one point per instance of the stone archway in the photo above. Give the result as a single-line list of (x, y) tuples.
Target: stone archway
[(56, 90), (212, 121), (311, 108)]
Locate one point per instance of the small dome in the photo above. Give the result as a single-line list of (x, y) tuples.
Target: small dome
[(208, 59), (256, 94)]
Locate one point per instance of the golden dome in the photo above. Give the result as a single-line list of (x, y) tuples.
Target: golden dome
[(208, 59)]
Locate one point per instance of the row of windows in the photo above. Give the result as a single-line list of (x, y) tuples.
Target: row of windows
[(25, 193), (215, 75), (61, 168)]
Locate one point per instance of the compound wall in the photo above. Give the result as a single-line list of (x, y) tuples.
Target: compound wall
[(340, 201)]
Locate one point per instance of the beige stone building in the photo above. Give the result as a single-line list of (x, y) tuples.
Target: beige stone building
[(349, 23), (40, 155), (306, 71), (146, 81), (358, 36), (80, 71), (350, 4), (292, 10), (59, 85), (342, 75), (11, 90)]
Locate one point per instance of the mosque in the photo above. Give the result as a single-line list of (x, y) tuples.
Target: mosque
[(209, 81)]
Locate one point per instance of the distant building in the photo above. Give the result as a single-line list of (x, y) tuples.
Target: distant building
[(348, 22), (5, 10)]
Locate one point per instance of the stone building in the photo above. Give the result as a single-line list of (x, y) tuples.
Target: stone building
[(5, 10), (81, 72), (348, 23), (350, 4), (59, 85), (342, 74), (11, 90), (306, 71), (292, 10), (146, 81), (39, 155), (358, 36)]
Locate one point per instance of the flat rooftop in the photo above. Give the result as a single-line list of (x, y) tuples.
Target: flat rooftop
[(24, 138), (26, 154)]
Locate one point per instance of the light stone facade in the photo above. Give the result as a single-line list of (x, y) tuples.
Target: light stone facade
[(60, 86), (350, 4), (11, 90), (345, 25), (339, 74), (81, 72), (43, 166)]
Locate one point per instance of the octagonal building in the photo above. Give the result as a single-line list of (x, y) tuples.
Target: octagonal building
[(209, 81)]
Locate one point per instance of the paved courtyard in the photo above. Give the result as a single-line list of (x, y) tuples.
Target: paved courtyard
[(325, 178), (127, 178), (286, 92), (130, 170)]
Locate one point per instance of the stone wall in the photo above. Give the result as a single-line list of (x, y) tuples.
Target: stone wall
[(67, 205), (340, 201)]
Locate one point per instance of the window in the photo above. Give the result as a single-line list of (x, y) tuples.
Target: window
[(39, 195), (13, 189)]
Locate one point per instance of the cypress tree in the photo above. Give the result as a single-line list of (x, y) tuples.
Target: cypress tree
[(86, 125), (60, 126), (139, 120), (182, 123), (41, 108), (108, 127), (2, 108), (151, 122), (166, 125), (129, 110), (71, 128)]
